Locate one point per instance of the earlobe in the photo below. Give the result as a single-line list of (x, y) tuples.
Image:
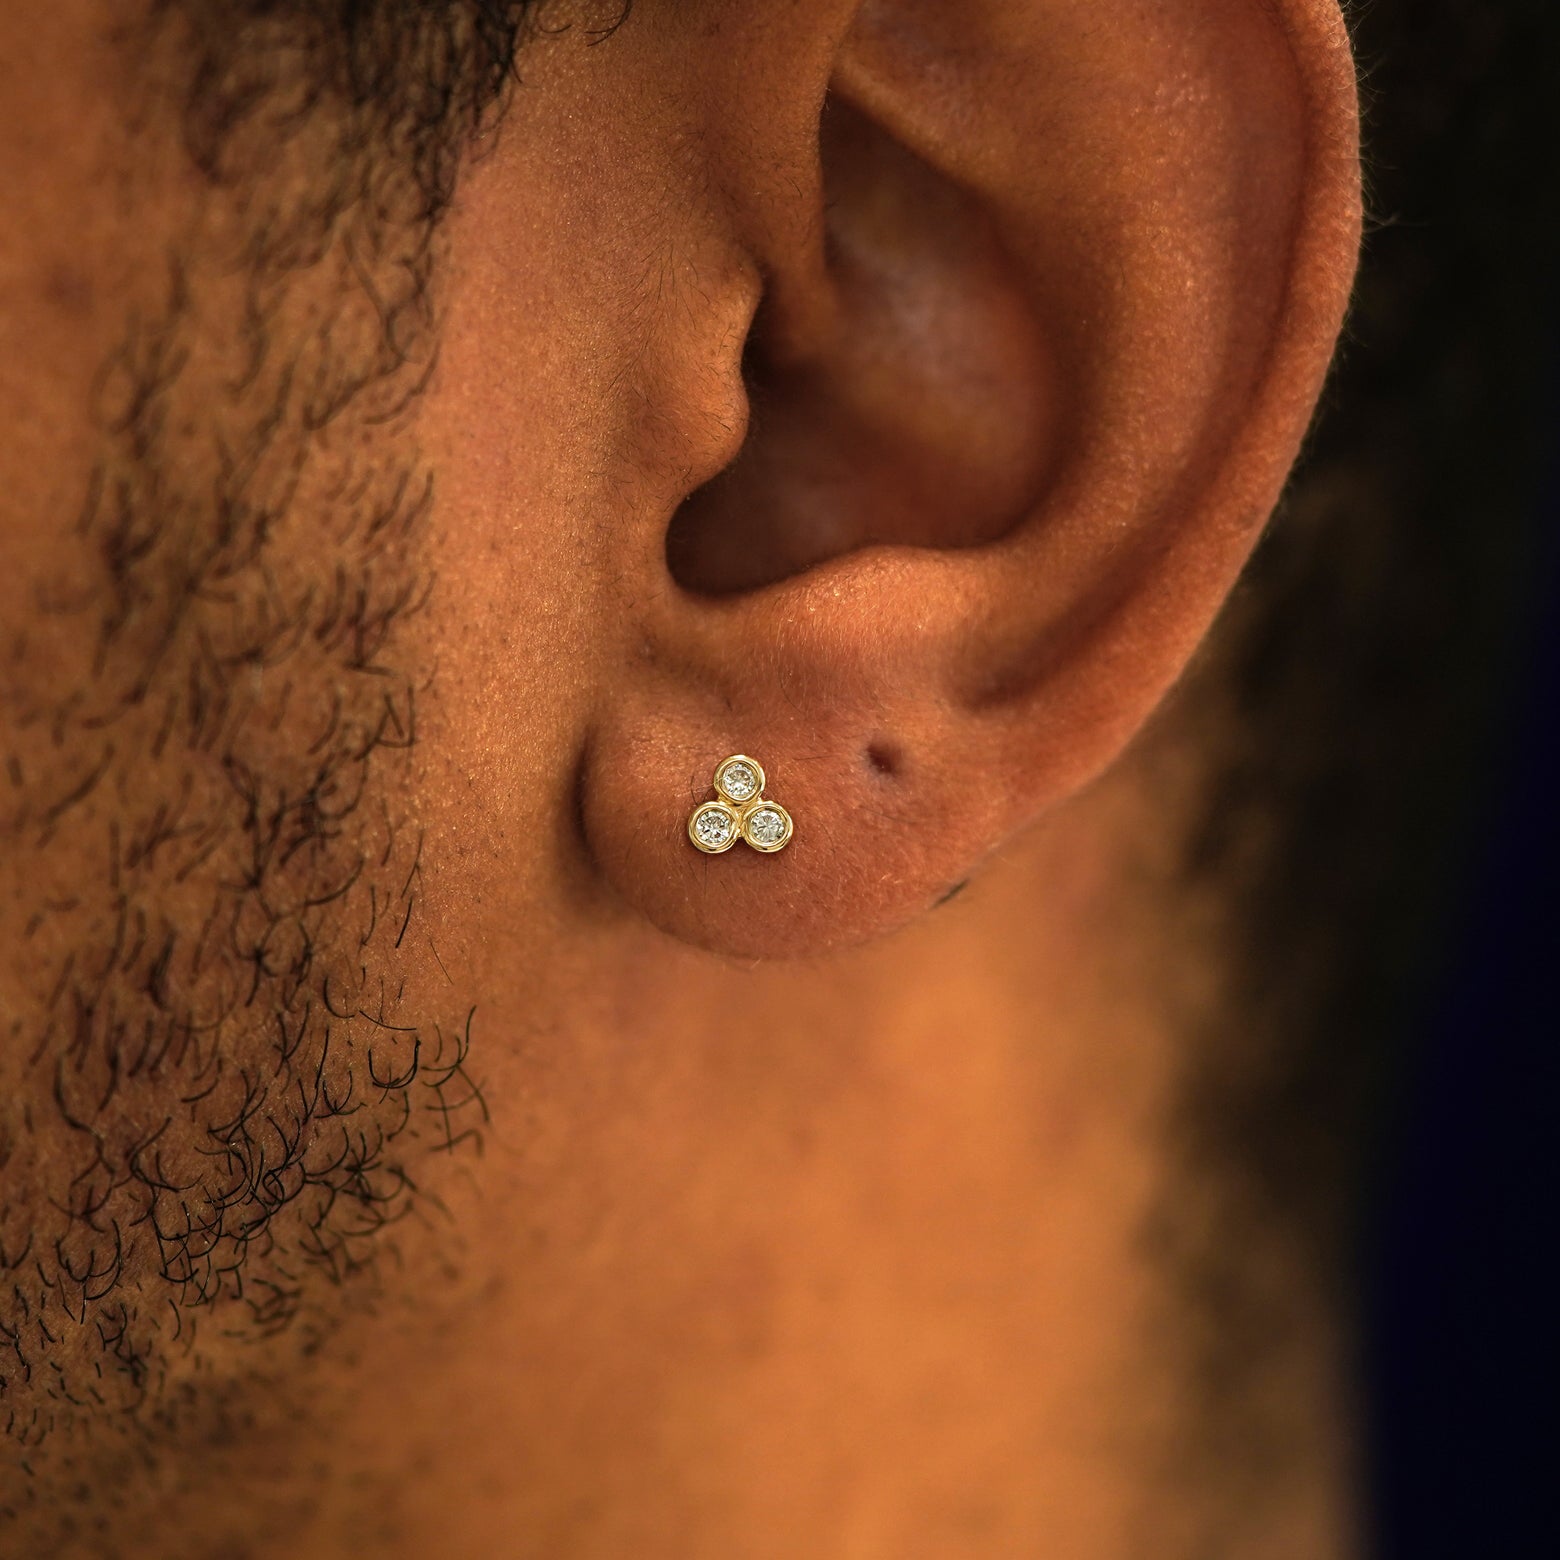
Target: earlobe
[(1026, 385)]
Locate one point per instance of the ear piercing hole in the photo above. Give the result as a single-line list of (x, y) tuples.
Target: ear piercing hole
[(884, 758)]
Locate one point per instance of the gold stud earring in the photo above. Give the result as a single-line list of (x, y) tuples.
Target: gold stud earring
[(740, 811)]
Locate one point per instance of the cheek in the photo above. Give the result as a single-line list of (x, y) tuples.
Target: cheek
[(84, 246)]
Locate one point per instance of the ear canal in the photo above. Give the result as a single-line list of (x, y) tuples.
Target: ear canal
[(901, 390)]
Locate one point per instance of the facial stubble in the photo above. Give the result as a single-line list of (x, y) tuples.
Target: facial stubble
[(224, 1061)]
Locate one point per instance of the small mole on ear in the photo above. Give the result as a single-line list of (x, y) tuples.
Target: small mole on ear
[(883, 757), (952, 894)]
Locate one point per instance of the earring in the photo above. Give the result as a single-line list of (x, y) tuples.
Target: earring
[(740, 811)]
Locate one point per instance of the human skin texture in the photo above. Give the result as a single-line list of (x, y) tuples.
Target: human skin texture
[(407, 1137)]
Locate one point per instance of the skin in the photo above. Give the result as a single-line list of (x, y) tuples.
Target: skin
[(697, 1206)]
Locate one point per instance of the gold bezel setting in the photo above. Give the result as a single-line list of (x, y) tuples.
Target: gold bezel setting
[(717, 845), (739, 803), (739, 779), (752, 813)]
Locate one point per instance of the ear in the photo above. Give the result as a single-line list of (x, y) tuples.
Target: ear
[(1044, 321)]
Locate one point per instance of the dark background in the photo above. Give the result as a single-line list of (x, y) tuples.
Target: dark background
[(1460, 1295), (1461, 1292), (1382, 824)]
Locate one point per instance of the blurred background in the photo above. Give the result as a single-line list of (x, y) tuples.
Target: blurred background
[(1421, 546), (1383, 820), (1461, 1296)]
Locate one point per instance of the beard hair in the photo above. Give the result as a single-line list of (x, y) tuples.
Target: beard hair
[(219, 1072)]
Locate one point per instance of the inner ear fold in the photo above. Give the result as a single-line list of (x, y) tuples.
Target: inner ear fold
[(901, 388)]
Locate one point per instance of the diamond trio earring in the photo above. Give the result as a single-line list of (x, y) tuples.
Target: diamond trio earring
[(741, 812)]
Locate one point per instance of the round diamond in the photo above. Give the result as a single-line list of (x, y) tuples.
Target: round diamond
[(766, 827), (714, 827), (739, 782)]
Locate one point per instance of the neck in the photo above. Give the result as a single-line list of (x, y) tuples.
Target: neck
[(887, 1254), (890, 1254)]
